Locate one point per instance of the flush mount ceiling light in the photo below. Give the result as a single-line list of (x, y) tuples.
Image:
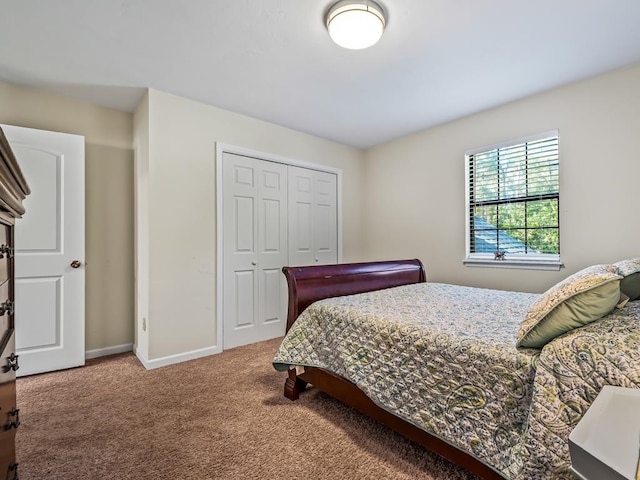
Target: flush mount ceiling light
[(355, 24)]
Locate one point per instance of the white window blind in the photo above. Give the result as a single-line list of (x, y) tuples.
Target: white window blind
[(513, 197)]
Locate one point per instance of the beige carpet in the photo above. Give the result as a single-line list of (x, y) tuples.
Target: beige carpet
[(220, 417)]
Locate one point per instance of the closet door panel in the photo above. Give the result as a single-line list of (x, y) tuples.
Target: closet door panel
[(325, 217), (255, 249), (240, 205), (302, 218), (245, 224), (271, 297), (301, 247), (313, 218), (243, 308), (273, 249)]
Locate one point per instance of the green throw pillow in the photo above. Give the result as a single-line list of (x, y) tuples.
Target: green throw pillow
[(630, 284), (581, 298)]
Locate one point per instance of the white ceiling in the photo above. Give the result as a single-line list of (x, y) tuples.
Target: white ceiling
[(272, 59)]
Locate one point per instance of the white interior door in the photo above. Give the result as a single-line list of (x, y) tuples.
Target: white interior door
[(49, 262), (255, 249)]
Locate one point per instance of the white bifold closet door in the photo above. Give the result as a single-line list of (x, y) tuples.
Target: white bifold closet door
[(255, 249), (274, 215), (313, 222)]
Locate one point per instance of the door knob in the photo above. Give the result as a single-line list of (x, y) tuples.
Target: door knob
[(76, 264)]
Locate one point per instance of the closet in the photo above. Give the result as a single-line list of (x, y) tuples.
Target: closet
[(274, 214)]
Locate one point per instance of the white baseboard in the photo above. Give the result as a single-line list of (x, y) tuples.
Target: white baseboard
[(103, 352), (177, 358)]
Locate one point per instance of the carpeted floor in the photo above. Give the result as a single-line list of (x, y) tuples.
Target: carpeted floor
[(220, 417)]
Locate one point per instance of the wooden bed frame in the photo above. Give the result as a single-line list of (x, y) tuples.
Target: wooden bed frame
[(309, 284)]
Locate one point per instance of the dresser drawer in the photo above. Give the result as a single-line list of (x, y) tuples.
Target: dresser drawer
[(5, 243), (7, 402), (8, 467), (9, 417), (9, 414), (6, 320)]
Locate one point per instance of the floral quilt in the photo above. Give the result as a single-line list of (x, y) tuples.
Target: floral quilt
[(443, 357), (572, 369)]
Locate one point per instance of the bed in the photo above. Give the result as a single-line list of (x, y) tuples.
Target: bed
[(439, 363)]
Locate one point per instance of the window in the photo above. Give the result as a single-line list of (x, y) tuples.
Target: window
[(513, 196)]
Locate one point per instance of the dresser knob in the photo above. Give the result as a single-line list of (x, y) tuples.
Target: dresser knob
[(6, 250), (15, 412), (12, 469), (6, 307), (12, 363)]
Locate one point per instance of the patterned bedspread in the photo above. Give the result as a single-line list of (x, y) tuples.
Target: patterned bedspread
[(572, 370), (443, 357)]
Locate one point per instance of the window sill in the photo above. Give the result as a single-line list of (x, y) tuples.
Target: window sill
[(520, 264)]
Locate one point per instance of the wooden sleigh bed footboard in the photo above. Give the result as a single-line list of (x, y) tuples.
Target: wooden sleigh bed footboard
[(309, 284)]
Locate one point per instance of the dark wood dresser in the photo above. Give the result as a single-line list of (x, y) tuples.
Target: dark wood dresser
[(13, 190)]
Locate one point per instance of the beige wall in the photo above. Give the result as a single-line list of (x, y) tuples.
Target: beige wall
[(414, 194), (175, 138), (141, 225), (109, 202), (182, 210)]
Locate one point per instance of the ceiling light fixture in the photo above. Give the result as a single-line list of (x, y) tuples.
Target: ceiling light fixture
[(355, 24)]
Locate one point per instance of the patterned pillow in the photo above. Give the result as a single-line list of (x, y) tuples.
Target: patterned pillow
[(579, 299), (630, 284)]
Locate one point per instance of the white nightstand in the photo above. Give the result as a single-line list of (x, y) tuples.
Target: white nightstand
[(605, 444)]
